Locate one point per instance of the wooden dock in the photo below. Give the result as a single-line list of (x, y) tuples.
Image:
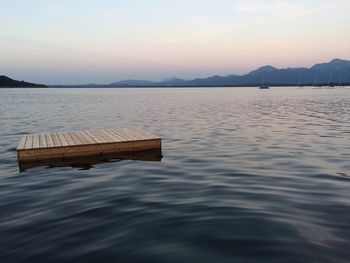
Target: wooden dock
[(62, 145)]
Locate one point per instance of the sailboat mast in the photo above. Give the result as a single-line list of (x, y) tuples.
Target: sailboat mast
[(329, 79), (316, 79)]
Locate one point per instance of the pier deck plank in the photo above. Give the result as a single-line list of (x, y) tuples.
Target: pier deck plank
[(45, 146)]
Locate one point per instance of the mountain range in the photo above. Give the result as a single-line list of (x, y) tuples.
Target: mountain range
[(10, 83), (335, 72)]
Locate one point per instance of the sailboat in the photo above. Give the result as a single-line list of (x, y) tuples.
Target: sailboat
[(263, 86), (315, 79), (329, 80), (299, 82)]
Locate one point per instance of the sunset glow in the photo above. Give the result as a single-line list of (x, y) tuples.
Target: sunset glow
[(70, 42)]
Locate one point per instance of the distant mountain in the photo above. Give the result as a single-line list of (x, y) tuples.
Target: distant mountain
[(131, 82), (335, 72), (10, 83), (263, 70)]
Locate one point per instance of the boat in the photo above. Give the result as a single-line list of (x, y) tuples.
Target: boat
[(315, 80), (299, 82), (330, 84), (264, 87)]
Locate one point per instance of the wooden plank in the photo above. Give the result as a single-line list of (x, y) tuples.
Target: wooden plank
[(131, 136), (62, 139), (56, 140), (120, 134), (121, 138), (89, 137), (68, 138), (86, 138), (29, 142), (143, 133), (109, 136), (138, 135), (82, 138), (49, 140), (104, 136), (36, 141), (98, 140), (22, 143), (42, 141), (116, 136), (100, 136), (75, 138)]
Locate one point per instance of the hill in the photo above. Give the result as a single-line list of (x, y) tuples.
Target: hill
[(6, 82)]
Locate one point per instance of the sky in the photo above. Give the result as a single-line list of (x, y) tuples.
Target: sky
[(102, 41)]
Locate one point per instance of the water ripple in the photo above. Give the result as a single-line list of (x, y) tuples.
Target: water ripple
[(245, 176)]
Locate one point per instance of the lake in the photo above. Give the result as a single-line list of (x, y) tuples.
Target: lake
[(247, 175)]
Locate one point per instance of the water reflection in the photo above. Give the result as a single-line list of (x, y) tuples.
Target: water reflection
[(88, 162)]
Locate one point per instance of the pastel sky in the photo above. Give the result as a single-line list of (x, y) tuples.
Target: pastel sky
[(101, 41)]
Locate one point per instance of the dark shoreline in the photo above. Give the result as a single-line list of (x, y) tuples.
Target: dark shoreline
[(196, 86)]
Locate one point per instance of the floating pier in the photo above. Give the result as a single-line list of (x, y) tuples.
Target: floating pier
[(63, 145)]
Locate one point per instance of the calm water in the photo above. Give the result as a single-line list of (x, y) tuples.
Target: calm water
[(247, 175)]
